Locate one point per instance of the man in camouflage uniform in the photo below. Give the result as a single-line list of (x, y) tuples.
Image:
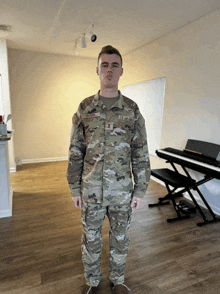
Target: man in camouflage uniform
[(108, 171)]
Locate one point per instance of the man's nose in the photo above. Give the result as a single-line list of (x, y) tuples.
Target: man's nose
[(109, 68)]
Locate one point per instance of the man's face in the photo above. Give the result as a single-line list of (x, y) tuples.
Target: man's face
[(109, 70)]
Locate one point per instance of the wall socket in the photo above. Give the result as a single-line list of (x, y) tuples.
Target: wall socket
[(18, 161)]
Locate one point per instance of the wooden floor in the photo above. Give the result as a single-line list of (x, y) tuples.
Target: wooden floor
[(40, 249)]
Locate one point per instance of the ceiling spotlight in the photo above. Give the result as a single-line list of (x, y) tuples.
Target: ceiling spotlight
[(83, 42), (91, 36), (89, 33)]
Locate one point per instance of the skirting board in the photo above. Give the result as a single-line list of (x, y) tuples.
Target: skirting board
[(24, 161), (215, 209)]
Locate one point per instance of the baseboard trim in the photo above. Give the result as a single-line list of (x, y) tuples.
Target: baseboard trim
[(25, 161), (158, 181), (162, 183)]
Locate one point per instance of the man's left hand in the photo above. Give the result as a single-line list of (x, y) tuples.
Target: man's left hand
[(135, 202)]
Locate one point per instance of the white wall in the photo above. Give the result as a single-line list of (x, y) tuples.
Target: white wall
[(46, 90)]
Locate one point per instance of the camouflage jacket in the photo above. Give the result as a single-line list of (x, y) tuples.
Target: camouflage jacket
[(108, 154)]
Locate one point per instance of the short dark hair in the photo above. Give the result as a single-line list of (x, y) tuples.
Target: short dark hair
[(109, 50)]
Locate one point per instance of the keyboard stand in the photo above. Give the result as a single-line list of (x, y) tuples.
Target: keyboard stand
[(206, 179), (176, 180)]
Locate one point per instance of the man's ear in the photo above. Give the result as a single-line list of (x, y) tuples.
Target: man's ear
[(122, 71), (97, 70)]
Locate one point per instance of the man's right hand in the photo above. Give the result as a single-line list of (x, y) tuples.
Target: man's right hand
[(77, 202)]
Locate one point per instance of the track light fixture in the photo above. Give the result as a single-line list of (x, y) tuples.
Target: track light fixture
[(83, 42), (89, 34)]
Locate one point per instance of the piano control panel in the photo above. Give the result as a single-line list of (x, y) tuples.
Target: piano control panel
[(202, 148)]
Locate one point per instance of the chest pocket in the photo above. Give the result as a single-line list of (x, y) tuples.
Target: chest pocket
[(124, 126), (91, 122), (126, 122)]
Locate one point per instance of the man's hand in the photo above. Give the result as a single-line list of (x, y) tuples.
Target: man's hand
[(135, 202), (77, 202)]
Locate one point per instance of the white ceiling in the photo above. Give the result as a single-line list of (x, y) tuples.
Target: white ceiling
[(53, 25)]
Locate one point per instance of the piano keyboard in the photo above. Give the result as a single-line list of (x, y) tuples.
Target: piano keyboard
[(212, 167), (203, 157)]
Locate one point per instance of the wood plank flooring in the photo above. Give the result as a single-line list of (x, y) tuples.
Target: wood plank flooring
[(40, 245)]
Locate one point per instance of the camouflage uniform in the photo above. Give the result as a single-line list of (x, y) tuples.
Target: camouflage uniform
[(108, 165)]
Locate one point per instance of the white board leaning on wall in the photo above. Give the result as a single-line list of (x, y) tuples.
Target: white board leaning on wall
[(149, 96)]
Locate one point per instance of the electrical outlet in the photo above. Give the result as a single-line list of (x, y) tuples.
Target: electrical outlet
[(18, 161)]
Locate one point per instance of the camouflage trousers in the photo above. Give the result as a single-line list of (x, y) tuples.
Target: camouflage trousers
[(92, 216)]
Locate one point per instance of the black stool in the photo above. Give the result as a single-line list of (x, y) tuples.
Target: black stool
[(176, 180)]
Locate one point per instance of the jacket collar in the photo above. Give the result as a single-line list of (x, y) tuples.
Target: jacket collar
[(119, 103)]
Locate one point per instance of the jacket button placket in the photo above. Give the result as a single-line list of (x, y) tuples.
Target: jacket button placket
[(107, 127)]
